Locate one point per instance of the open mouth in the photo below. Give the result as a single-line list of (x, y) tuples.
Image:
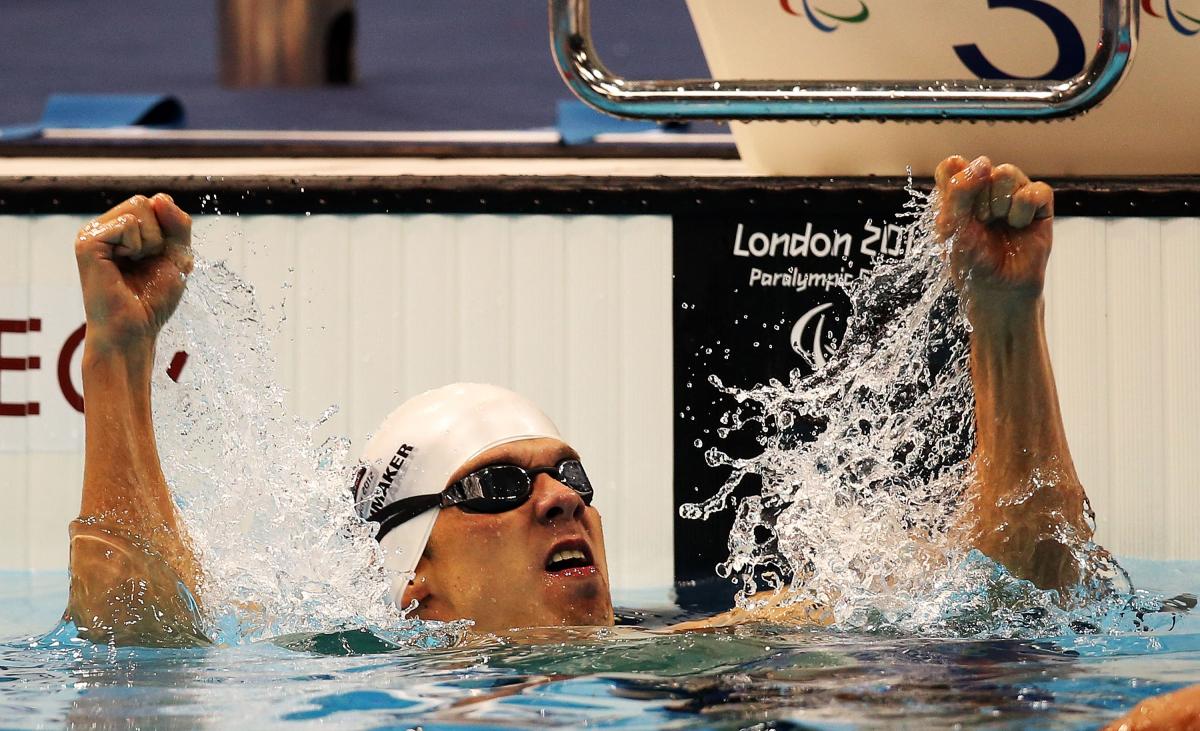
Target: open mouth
[(570, 558)]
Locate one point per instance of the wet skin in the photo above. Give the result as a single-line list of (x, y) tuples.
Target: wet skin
[(1178, 711), (1026, 508), (128, 547), (492, 568)]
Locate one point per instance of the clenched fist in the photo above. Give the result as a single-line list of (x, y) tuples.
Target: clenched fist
[(133, 265), (1000, 224)]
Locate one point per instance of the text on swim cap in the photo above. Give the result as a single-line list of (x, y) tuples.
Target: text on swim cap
[(393, 470)]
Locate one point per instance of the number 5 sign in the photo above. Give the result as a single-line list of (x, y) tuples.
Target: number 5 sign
[(1071, 54), (964, 39)]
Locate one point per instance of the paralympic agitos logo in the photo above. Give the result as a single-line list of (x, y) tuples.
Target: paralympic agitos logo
[(824, 20), (1188, 25)]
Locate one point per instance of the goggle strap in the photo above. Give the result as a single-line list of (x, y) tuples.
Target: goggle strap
[(403, 511)]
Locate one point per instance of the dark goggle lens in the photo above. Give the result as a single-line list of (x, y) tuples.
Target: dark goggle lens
[(501, 488), (504, 487), (570, 471)]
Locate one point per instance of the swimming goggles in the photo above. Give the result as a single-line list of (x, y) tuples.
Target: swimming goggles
[(493, 489)]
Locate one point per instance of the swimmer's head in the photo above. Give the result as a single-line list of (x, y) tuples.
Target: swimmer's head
[(517, 543)]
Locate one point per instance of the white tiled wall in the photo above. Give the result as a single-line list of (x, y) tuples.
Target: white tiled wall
[(1123, 320), (575, 312)]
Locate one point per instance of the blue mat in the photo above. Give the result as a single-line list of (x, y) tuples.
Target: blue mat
[(98, 111)]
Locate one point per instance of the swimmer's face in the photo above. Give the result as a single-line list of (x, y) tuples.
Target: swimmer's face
[(496, 569)]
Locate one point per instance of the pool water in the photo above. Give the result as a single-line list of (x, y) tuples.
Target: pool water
[(759, 676)]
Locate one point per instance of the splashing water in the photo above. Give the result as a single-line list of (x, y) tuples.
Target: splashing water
[(863, 468), (267, 509)]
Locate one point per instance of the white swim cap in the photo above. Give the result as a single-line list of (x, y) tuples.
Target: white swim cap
[(421, 445)]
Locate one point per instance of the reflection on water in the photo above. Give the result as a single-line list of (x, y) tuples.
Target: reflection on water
[(624, 677)]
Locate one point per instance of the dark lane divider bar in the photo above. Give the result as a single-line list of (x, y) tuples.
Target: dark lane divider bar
[(1091, 197)]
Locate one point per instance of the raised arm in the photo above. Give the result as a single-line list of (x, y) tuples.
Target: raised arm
[(1027, 506), (133, 573)]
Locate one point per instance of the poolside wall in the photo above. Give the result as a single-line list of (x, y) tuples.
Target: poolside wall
[(583, 325), (571, 311)]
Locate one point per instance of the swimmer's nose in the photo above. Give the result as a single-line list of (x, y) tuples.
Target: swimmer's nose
[(553, 500)]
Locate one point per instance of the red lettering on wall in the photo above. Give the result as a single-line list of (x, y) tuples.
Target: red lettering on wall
[(178, 361), (72, 394), (69, 392), (19, 364)]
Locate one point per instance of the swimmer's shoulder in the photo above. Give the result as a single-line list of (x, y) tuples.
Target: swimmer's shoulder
[(122, 591), (768, 607)]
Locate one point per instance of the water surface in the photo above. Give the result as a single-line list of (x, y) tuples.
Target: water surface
[(628, 677)]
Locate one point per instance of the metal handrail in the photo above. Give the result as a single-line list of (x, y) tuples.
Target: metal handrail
[(592, 82)]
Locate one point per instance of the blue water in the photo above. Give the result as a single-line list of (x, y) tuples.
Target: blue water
[(627, 677)]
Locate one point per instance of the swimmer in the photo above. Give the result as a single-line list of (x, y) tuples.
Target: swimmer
[(484, 509)]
